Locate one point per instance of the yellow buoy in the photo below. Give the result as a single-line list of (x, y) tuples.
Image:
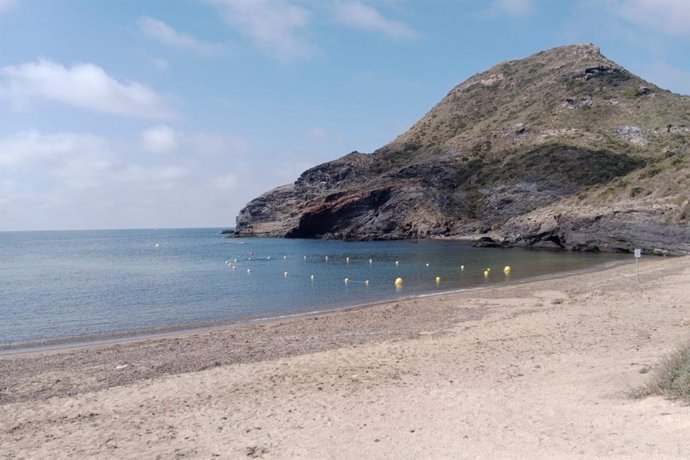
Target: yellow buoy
[(486, 273), (438, 279), (507, 269), (398, 282)]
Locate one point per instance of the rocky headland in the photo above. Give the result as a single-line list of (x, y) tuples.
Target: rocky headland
[(564, 148)]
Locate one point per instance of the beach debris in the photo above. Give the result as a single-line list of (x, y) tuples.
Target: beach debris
[(398, 282), (121, 366)]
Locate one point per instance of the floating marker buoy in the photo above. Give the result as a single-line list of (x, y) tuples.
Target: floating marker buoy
[(438, 279), (284, 257), (347, 260), (370, 261), (157, 245), (507, 269), (427, 264), (233, 268), (366, 282), (397, 263), (326, 258), (268, 258), (249, 258), (285, 274), (347, 280), (235, 260), (249, 270), (305, 257), (312, 277), (486, 273), (398, 282), (462, 267)]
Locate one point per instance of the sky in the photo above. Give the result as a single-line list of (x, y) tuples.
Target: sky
[(176, 113)]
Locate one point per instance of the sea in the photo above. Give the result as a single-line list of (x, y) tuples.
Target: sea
[(64, 288)]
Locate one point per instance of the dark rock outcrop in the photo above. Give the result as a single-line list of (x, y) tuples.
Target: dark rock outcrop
[(563, 148)]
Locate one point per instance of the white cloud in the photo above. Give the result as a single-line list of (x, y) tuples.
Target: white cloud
[(366, 17), (512, 7), (159, 139), (28, 148), (322, 135), (277, 27), (664, 16), (213, 144), (6, 5), (85, 86), (226, 182), (160, 63), (162, 32)]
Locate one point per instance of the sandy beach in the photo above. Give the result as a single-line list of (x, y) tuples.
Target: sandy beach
[(536, 370)]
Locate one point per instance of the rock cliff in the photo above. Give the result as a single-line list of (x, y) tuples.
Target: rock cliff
[(564, 148)]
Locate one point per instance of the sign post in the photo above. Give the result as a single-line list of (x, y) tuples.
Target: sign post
[(638, 254)]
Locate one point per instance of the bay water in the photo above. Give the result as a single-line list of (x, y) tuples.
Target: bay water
[(66, 287)]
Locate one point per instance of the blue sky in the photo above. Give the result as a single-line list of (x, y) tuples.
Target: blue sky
[(175, 113)]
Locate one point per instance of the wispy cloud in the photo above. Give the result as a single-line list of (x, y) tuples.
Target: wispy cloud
[(85, 86), (276, 27), (6, 5), (515, 8), (159, 139), (167, 35), (663, 16), (366, 17)]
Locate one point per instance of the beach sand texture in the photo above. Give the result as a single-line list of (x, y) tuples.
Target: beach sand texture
[(535, 370)]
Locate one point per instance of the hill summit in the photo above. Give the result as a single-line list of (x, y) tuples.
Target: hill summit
[(563, 148)]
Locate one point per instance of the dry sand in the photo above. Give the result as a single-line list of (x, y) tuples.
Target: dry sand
[(538, 370)]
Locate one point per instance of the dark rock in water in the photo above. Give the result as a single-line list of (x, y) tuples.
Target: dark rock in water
[(227, 231), (556, 149)]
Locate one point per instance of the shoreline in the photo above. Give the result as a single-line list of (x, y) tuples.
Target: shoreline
[(121, 337), (538, 369)]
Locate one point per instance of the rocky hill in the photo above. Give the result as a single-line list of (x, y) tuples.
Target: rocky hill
[(563, 148)]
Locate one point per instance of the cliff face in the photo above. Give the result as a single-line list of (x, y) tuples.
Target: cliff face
[(562, 148)]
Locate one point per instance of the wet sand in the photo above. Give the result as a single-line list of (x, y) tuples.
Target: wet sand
[(538, 369)]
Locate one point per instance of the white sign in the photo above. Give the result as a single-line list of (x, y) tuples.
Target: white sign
[(638, 253)]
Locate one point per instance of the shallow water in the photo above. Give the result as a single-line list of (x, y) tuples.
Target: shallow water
[(75, 285)]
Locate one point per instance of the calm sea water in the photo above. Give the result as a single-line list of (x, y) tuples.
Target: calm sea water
[(68, 286)]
